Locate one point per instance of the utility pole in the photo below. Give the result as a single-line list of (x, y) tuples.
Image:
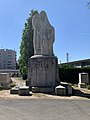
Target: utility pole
[(67, 57)]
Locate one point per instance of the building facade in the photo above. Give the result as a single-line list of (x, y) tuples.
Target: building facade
[(7, 59), (79, 63)]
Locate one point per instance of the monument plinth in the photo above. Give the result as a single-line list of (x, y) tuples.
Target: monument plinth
[(43, 66)]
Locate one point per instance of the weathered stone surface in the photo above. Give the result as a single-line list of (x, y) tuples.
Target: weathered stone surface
[(5, 80), (81, 85), (24, 90), (43, 72), (42, 89), (43, 66), (43, 35), (60, 90), (14, 90), (69, 90)]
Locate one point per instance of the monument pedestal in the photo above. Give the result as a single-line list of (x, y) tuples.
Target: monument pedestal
[(43, 72), (43, 89)]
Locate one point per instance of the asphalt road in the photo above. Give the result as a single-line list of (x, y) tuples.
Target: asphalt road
[(41, 109)]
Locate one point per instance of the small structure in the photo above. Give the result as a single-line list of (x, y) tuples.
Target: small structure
[(83, 80), (69, 90), (63, 89), (24, 90), (14, 90), (60, 90), (5, 80)]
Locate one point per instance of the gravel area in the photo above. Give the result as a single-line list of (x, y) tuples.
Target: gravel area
[(81, 94), (6, 95)]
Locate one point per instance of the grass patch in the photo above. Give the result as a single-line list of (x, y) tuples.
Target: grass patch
[(12, 85), (88, 87)]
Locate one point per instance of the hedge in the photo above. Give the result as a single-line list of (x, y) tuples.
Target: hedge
[(71, 75)]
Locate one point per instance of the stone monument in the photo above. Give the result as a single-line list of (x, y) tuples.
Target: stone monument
[(5, 80), (83, 80), (43, 66), (43, 35)]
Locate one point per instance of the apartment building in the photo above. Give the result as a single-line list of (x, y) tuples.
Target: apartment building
[(7, 59)]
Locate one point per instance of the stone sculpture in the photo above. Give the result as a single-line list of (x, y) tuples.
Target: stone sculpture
[(43, 66), (43, 35)]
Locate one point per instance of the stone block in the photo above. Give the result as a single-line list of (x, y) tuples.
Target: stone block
[(42, 89), (69, 89), (4, 78), (60, 90), (43, 71), (27, 82), (14, 90), (24, 90), (81, 85)]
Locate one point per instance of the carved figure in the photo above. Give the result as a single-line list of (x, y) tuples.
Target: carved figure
[(43, 35)]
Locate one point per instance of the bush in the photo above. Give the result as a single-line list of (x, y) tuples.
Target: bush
[(88, 87), (71, 75), (24, 77), (12, 85)]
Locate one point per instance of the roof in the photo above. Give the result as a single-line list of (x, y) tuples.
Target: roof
[(78, 61)]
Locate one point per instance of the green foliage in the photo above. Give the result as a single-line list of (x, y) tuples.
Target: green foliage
[(71, 75), (17, 65), (88, 4), (12, 85), (26, 47), (88, 87), (66, 66)]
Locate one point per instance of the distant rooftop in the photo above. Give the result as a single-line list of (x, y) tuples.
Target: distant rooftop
[(80, 63)]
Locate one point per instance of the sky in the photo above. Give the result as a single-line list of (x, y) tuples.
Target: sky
[(70, 18)]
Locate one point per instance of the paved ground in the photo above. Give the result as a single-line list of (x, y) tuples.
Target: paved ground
[(44, 109)]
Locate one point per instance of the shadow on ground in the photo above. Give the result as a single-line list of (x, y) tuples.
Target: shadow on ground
[(77, 92)]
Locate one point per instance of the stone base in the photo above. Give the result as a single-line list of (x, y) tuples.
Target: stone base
[(69, 90), (14, 91), (42, 89), (24, 90), (81, 85), (60, 90), (27, 82), (43, 71), (5, 80)]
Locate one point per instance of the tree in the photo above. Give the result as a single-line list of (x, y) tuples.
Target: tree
[(67, 65), (88, 4), (17, 65), (26, 47)]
